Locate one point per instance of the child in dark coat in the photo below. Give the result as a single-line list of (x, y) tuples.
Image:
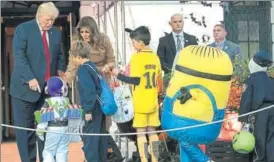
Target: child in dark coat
[(95, 147)]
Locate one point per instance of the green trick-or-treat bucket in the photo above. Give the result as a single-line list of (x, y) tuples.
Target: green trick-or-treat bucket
[(243, 142), (37, 115)]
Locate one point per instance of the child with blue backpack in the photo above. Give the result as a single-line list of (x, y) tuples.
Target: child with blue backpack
[(94, 147)]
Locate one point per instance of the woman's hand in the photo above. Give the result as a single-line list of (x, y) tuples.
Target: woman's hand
[(60, 73), (115, 71), (64, 77)]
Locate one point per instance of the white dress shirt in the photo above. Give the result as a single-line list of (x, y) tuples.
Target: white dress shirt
[(47, 34)]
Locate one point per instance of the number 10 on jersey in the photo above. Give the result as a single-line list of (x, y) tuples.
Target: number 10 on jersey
[(150, 80)]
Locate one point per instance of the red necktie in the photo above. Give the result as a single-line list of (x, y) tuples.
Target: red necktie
[(47, 54)]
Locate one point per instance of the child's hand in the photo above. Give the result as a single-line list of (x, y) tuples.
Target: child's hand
[(41, 128), (115, 71), (106, 69), (40, 133), (88, 117)]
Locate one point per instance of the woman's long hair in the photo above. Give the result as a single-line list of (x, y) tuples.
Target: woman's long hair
[(95, 35)]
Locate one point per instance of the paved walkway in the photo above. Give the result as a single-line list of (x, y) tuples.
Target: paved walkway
[(9, 152)]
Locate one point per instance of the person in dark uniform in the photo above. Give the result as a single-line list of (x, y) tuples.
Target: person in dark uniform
[(95, 147), (259, 93)]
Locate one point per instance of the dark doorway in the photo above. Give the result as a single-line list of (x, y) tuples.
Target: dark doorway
[(8, 27)]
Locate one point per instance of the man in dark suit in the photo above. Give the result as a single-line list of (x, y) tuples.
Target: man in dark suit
[(37, 56), (168, 48), (171, 44), (232, 49)]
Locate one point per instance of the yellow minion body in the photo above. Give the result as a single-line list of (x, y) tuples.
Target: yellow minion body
[(205, 66)]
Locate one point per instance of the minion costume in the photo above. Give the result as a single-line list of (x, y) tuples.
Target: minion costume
[(259, 93), (54, 116), (197, 94)]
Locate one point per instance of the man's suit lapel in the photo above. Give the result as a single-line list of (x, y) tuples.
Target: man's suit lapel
[(50, 43), (225, 48), (172, 43), (37, 34), (186, 40)]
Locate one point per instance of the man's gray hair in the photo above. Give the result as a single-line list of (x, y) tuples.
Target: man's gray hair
[(48, 9), (177, 14), (81, 49)]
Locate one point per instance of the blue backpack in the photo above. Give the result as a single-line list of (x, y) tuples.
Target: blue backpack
[(108, 105)]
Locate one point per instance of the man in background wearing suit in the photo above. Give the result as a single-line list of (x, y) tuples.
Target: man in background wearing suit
[(232, 49), (172, 43), (37, 56), (168, 48)]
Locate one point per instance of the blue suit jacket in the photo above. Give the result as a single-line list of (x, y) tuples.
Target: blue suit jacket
[(30, 60), (233, 50)]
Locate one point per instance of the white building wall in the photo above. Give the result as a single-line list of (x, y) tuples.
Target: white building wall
[(156, 15)]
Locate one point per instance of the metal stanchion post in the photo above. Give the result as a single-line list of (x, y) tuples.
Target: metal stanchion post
[(98, 16), (116, 50), (105, 17), (116, 32), (1, 102), (127, 143), (123, 22), (119, 141), (1, 109)]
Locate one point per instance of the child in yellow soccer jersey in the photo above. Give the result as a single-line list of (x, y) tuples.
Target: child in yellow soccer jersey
[(145, 69)]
